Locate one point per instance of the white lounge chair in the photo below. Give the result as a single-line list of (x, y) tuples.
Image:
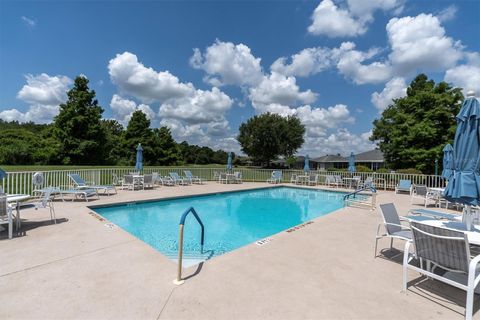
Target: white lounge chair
[(404, 186), (82, 184), (444, 249), (392, 225), (190, 177), (178, 180)]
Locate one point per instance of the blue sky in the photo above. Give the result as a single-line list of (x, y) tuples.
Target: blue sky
[(201, 68)]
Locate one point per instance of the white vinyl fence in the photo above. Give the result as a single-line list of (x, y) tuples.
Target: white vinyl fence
[(21, 181)]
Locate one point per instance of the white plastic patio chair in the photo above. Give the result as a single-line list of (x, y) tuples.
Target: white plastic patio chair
[(392, 225), (294, 178), (130, 183), (445, 249), (238, 177), (222, 177), (148, 181), (276, 177), (313, 179)]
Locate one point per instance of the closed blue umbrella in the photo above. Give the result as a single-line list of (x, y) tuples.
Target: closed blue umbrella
[(306, 167), (139, 162), (464, 185), (447, 161), (229, 161), (351, 163), (3, 174)]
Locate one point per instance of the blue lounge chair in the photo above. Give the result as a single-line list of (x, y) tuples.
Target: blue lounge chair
[(81, 184), (404, 186)]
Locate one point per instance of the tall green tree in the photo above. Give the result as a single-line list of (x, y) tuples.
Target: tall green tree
[(267, 136), (139, 131), (113, 144), (78, 126), (413, 130), (166, 149)]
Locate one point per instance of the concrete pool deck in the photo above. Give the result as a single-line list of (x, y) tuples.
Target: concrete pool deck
[(79, 268)]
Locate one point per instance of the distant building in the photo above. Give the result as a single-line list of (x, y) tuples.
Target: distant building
[(372, 159)]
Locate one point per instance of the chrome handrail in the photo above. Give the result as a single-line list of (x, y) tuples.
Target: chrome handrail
[(179, 280)]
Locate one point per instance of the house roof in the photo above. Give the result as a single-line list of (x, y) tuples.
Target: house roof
[(370, 156), (330, 158)]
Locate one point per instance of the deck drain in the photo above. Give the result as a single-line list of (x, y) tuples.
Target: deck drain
[(110, 226), (263, 241)]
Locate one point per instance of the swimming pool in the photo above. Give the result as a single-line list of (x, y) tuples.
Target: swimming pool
[(232, 220)]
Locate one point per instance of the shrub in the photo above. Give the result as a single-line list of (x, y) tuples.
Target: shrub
[(383, 170), (409, 171), (361, 168)]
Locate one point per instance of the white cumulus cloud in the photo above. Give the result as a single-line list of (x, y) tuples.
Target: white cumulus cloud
[(394, 89), (123, 109), (228, 64), (44, 93), (351, 20), (307, 62), (331, 21), (146, 84), (279, 89), (466, 76), (420, 43)]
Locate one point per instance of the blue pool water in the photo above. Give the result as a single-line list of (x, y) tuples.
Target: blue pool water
[(231, 220)]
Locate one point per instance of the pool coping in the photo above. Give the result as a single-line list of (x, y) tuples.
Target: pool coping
[(289, 230)]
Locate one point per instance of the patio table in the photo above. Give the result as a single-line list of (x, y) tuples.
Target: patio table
[(350, 181), (303, 179), (473, 236), (17, 199)]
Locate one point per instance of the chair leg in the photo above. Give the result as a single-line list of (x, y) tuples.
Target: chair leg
[(391, 243), (405, 262), (376, 244), (469, 306)]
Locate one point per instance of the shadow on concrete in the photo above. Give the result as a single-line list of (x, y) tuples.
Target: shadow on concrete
[(30, 225)]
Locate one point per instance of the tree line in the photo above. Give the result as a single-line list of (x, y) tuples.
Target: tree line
[(411, 132), (79, 136)]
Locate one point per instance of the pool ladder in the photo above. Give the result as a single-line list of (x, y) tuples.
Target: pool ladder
[(351, 198), (179, 280)]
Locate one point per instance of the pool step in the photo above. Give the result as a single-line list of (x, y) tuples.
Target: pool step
[(191, 259)]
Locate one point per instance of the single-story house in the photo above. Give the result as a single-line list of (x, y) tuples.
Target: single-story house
[(372, 159)]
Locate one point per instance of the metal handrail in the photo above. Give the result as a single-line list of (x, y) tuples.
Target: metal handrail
[(354, 193), (179, 280)]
